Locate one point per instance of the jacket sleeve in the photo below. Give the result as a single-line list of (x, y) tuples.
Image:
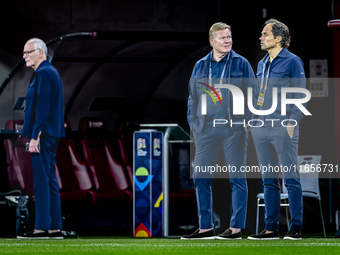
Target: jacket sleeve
[(256, 89), (43, 94), (249, 82), (298, 80), (192, 100)]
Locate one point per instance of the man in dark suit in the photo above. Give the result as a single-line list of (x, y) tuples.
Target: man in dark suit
[(221, 66), (44, 124), (276, 140)]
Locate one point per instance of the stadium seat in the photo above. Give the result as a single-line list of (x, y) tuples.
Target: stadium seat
[(19, 161), (109, 177), (123, 145), (283, 203), (74, 180), (310, 180), (124, 129)]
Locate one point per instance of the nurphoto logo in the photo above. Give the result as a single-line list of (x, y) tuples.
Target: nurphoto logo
[(238, 103)]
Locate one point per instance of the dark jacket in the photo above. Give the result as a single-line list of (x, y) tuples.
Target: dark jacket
[(44, 103), (241, 75)]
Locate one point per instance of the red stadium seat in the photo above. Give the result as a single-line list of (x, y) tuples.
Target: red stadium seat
[(123, 145), (19, 161), (109, 178), (75, 183)]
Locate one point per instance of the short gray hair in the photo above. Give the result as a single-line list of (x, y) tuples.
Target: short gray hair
[(39, 44)]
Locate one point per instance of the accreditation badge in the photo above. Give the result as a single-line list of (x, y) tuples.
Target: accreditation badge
[(215, 98), (260, 100)]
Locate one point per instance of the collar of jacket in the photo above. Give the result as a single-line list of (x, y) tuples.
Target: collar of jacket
[(282, 54), (42, 64), (233, 54)]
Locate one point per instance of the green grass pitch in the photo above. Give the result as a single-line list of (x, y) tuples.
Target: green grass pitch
[(149, 246)]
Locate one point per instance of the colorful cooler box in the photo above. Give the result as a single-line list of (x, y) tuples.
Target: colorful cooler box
[(148, 185)]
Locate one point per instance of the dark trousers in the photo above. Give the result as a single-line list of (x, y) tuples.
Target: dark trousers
[(209, 144), (46, 190), (274, 143)]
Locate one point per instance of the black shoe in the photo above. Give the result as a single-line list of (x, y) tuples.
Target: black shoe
[(263, 236), (56, 235), (210, 234), (32, 235), (292, 235), (227, 235)]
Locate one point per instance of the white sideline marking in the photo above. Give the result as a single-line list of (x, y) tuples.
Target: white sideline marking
[(170, 244)]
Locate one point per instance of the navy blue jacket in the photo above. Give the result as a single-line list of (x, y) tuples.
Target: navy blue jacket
[(241, 75), (44, 103), (286, 70)]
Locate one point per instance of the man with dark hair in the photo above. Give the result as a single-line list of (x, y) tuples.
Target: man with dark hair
[(277, 136), (279, 29), (44, 125), (221, 65)]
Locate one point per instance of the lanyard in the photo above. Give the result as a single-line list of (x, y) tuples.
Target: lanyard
[(223, 71), (267, 76)]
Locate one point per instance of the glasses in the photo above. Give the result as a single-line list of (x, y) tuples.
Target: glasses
[(28, 52)]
